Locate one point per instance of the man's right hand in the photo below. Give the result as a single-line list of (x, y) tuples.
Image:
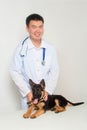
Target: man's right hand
[(29, 97)]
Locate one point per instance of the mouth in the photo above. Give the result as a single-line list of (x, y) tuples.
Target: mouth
[(37, 35), (35, 101)]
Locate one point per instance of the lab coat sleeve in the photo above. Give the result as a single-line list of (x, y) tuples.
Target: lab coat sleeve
[(17, 75), (53, 75)]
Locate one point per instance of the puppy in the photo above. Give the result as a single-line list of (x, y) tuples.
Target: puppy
[(38, 106)]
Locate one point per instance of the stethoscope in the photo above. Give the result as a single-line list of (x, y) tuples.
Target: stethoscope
[(43, 58), (43, 52)]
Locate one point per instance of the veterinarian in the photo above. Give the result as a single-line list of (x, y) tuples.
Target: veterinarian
[(34, 58)]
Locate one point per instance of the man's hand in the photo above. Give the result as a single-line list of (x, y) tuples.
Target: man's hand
[(29, 97), (46, 96)]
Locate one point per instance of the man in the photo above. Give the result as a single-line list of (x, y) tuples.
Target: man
[(34, 59)]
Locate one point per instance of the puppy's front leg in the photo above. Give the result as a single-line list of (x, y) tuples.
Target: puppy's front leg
[(29, 111), (37, 113), (40, 110)]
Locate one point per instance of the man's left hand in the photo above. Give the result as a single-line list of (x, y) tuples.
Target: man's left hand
[(46, 96)]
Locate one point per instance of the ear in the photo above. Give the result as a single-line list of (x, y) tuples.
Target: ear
[(31, 83), (42, 83), (27, 28)]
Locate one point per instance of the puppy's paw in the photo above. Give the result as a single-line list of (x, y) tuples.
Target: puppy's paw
[(56, 111), (33, 116), (53, 109), (26, 115)]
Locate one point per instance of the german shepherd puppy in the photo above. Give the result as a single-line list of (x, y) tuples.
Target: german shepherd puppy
[(56, 103)]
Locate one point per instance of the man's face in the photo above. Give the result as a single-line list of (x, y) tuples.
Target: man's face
[(35, 30)]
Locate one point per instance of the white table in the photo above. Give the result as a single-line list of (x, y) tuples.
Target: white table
[(75, 118)]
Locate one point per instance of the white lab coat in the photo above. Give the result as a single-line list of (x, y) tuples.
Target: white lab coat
[(27, 64)]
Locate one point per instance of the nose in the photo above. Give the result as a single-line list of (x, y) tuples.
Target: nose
[(37, 29)]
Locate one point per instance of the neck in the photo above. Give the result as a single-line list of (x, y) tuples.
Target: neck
[(36, 43)]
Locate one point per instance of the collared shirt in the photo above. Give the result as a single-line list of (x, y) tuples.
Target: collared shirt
[(27, 64)]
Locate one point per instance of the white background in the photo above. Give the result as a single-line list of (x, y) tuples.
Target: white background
[(65, 28)]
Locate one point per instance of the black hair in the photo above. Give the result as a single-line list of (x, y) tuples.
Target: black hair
[(36, 17)]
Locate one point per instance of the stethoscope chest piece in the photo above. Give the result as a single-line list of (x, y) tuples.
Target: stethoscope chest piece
[(43, 62)]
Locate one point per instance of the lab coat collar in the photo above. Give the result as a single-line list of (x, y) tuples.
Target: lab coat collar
[(27, 44), (30, 44)]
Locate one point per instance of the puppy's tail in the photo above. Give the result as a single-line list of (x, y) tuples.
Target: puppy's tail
[(75, 104)]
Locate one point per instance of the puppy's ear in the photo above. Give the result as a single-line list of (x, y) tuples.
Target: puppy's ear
[(31, 83), (42, 83)]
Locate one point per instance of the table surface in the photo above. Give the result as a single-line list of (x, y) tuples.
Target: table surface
[(74, 118)]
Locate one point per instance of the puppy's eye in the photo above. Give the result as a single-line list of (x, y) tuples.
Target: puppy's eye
[(38, 89)]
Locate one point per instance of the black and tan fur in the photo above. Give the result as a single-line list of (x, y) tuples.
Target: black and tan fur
[(56, 103)]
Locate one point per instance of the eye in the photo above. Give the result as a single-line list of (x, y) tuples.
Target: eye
[(33, 26), (38, 89)]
